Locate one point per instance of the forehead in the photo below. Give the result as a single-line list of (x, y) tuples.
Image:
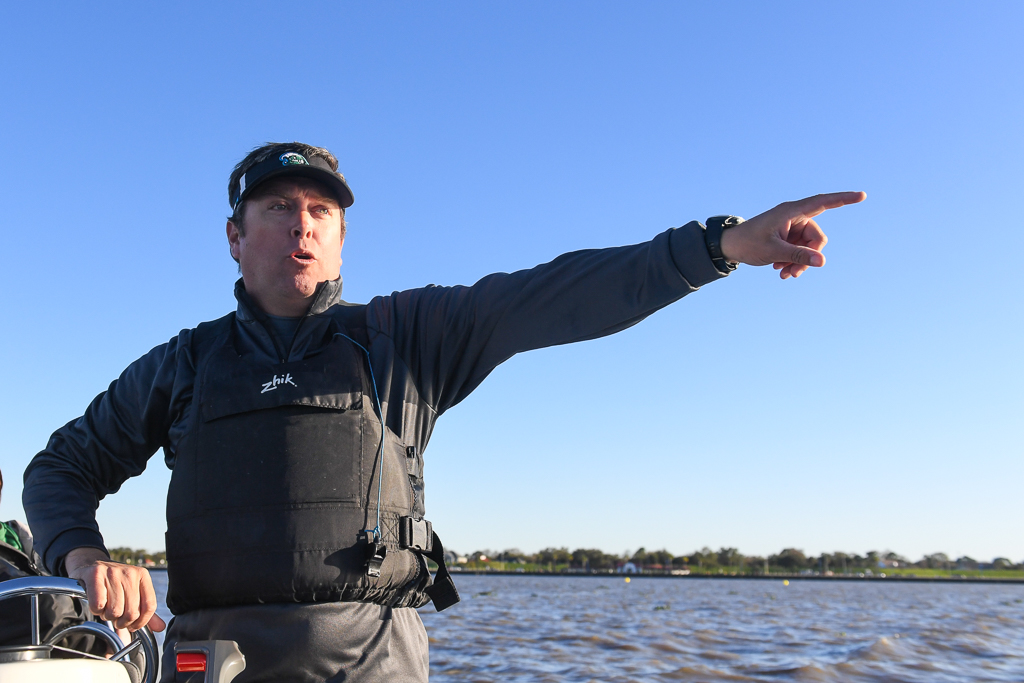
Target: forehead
[(295, 187)]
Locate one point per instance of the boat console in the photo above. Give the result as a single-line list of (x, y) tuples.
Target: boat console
[(214, 661)]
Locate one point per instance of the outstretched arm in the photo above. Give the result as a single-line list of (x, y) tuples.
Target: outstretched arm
[(452, 337), (785, 236)]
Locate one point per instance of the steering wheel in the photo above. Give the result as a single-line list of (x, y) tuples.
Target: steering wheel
[(34, 586)]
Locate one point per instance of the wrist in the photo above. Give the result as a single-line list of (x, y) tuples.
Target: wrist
[(729, 242), (83, 557)]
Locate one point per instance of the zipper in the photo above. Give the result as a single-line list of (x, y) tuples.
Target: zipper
[(302, 320), (296, 335)]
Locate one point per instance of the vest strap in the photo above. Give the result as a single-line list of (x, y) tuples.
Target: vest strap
[(442, 592)]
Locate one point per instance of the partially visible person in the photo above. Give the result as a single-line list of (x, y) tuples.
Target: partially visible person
[(11, 532), (18, 559), (17, 554)]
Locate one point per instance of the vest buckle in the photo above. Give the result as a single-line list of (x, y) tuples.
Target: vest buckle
[(415, 534)]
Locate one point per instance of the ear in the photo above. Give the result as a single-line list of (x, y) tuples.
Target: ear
[(234, 240)]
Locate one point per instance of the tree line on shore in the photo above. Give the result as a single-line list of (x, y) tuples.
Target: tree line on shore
[(723, 560), (140, 557), (705, 560)]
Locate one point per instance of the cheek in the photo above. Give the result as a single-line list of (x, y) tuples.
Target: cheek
[(331, 245), (254, 250), (332, 257)]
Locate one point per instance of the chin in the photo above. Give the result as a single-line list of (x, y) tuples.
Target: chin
[(305, 285)]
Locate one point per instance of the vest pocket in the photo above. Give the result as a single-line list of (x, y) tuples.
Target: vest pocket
[(292, 455), (285, 435)]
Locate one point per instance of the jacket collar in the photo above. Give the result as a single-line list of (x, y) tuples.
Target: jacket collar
[(327, 294)]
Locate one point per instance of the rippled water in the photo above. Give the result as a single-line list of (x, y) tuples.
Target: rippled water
[(602, 629), (510, 628)]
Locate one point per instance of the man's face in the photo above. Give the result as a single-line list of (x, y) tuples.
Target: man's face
[(292, 243)]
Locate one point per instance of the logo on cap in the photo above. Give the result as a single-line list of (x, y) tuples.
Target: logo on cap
[(293, 159)]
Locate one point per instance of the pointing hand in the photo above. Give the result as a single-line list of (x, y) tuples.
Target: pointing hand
[(786, 236)]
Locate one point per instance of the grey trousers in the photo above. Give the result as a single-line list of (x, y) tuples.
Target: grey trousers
[(332, 641)]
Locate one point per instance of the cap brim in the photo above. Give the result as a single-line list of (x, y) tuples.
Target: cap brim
[(332, 180)]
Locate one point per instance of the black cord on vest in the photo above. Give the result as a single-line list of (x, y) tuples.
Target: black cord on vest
[(380, 448)]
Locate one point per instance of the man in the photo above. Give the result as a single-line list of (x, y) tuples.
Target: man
[(295, 427)]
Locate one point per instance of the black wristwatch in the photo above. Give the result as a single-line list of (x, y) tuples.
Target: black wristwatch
[(713, 240)]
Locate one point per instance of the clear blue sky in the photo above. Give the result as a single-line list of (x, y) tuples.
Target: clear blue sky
[(873, 404)]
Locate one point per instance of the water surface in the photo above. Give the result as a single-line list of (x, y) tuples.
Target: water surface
[(558, 628), (602, 629)]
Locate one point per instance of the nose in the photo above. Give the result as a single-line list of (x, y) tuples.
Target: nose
[(304, 228)]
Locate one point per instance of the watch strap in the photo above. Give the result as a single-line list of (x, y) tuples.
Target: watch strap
[(716, 225)]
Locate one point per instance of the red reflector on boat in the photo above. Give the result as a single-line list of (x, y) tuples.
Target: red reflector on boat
[(191, 661)]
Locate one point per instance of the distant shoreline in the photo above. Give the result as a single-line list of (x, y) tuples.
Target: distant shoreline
[(755, 577)]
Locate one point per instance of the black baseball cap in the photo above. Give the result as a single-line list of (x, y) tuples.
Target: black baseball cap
[(293, 163)]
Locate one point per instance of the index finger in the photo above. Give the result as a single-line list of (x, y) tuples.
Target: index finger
[(812, 206), (96, 591)]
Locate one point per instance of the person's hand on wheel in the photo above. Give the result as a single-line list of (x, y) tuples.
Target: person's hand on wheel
[(119, 593), (785, 236)]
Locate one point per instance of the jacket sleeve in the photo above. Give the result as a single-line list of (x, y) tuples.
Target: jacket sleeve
[(90, 457), (453, 337)]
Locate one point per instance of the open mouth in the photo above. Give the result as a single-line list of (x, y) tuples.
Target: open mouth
[(303, 256)]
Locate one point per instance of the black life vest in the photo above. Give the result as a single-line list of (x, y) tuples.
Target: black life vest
[(275, 485)]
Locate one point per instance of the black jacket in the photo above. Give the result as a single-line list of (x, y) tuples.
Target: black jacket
[(430, 348)]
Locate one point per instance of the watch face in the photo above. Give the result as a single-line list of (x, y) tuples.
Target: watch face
[(725, 221)]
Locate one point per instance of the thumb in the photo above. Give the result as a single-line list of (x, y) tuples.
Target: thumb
[(804, 256), (156, 623)]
